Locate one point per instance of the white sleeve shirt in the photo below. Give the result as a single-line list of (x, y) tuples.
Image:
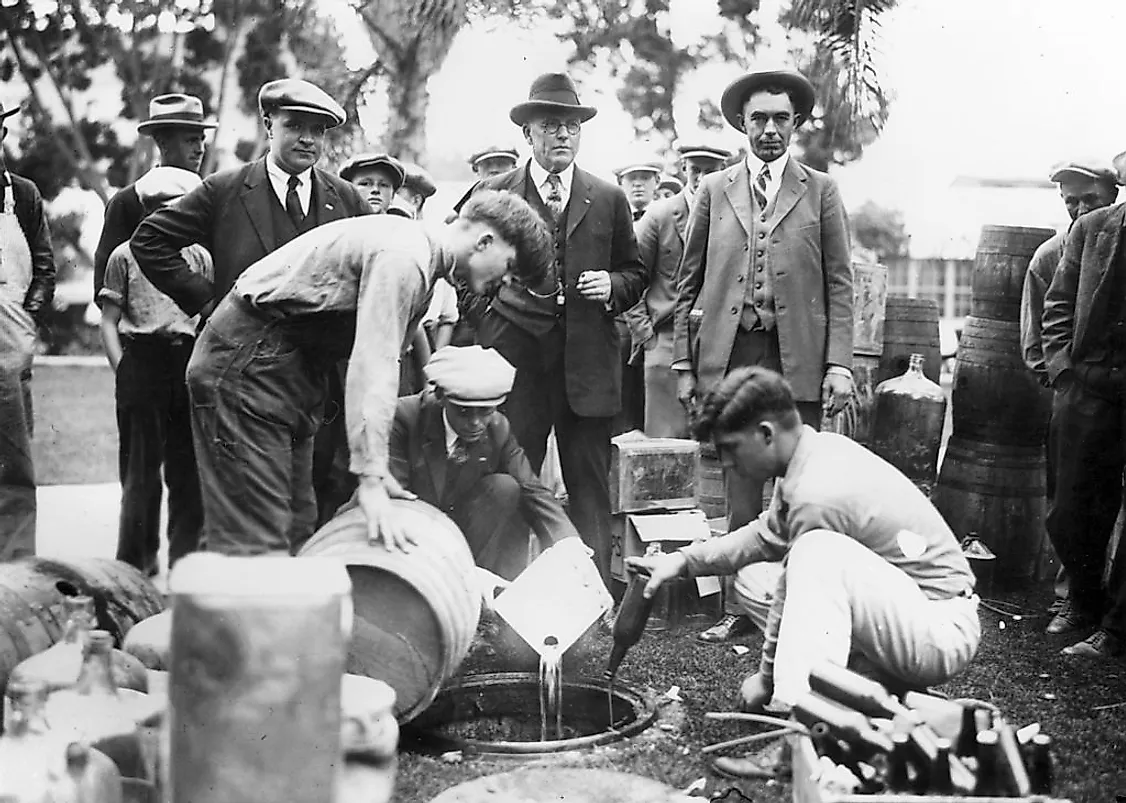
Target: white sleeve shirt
[(279, 180), (539, 176), (777, 168)]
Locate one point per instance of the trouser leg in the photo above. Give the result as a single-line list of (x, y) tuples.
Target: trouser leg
[(185, 508), (664, 414), (584, 454), (140, 429), (17, 472), (494, 527)]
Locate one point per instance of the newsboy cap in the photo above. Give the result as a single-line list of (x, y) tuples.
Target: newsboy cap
[(470, 375), (639, 167), (296, 95), (364, 161), (493, 152), (174, 111), (552, 92), (1098, 169), (735, 96), (696, 151), (670, 183), (418, 180)]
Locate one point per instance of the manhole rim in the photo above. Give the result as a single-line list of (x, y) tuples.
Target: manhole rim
[(644, 705)]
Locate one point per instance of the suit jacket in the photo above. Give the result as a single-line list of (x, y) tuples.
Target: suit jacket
[(808, 241), (1040, 272), (599, 237), (230, 215), (1076, 307), (660, 240), (419, 462), (124, 212), (27, 206)]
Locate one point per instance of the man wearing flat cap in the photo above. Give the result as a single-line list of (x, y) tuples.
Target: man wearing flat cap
[(493, 160), (1083, 334), (767, 263), (457, 452), (177, 126), (660, 238), (417, 187), (27, 284), (378, 175), (668, 186), (243, 214), (638, 180), (560, 334), (1084, 185)]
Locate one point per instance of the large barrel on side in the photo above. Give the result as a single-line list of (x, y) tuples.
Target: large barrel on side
[(995, 397), (31, 602), (910, 327), (415, 613), (1000, 265), (997, 493)]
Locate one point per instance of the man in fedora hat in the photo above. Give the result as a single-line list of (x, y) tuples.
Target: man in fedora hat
[(493, 160), (1083, 334), (379, 175), (27, 283), (177, 126), (767, 263), (453, 448), (660, 238), (560, 334), (1084, 185)]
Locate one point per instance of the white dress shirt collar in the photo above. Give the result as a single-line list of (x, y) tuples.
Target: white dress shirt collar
[(451, 436), (279, 180), (539, 178), (777, 170)]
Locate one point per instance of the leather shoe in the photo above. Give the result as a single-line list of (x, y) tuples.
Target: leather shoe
[(1099, 644), (1069, 619), (773, 762), (728, 628)]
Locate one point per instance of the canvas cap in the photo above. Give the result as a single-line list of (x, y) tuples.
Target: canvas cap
[(493, 152), (296, 95), (639, 167), (471, 375), (363, 161), (670, 183), (1099, 169)]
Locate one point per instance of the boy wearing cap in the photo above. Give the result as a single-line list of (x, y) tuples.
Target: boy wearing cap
[(351, 288), (452, 448), (27, 284), (379, 175), (177, 127), (148, 341), (638, 181), (493, 161), (668, 186), (1084, 186), (243, 214), (1084, 339)]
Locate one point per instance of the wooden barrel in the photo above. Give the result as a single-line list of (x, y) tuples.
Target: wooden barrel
[(711, 494), (856, 419), (997, 493), (31, 602), (869, 302), (995, 397), (415, 613), (910, 327), (1000, 265)]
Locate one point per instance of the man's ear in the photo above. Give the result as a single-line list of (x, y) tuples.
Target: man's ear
[(527, 129), (268, 123), (768, 430)]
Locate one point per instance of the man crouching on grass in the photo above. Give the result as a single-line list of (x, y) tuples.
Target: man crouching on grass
[(353, 288), (870, 574)]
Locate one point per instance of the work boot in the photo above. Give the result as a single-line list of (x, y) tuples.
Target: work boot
[(1070, 619), (773, 762), (728, 628), (1057, 605), (1099, 644)]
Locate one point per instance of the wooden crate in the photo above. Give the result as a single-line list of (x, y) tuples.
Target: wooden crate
[(652, 473), (806, 789)]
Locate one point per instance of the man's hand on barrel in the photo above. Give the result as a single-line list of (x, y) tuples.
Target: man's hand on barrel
[(659, 568), (375, 495)]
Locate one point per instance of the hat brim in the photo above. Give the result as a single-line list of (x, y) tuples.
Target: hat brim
[(522, 113), (493, 402), (701, 154), (484, 157), (151, 125), (334, 120), (737, 92), (397, 174), (1081, 172)]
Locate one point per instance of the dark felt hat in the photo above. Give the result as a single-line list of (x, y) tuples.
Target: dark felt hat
[(551, 92), (363, 161), (737, 92), (293, 94), (174, 111)]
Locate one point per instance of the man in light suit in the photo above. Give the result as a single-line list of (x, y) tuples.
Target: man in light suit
[(560, 335), (243, 214), (660, 239), (766, 260), (452, 448)]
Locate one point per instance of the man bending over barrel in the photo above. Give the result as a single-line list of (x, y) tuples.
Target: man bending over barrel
[(872, 577), (457, 452), (258, 374)]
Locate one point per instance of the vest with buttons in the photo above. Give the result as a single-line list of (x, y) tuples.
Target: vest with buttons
[(758, 296), (284, 230)]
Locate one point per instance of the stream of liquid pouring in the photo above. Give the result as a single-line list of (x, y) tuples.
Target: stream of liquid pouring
[(551, 694)]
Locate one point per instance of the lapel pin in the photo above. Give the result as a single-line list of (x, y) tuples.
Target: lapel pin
[(328, 206)]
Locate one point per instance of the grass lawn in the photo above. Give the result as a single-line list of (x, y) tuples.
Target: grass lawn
[(75, 430)]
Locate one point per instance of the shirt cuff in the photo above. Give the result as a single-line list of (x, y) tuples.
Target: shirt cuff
[(839, 370)]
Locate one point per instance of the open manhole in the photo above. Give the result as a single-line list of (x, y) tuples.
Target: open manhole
[(499, 714)]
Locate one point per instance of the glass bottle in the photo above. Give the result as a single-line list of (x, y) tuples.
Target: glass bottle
[(899, 764), (629, 624), (940, 781), (1040, 764), (907, 426), (988, 765)]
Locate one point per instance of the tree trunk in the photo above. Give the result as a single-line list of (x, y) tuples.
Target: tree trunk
[(409, 100), (228, 95)]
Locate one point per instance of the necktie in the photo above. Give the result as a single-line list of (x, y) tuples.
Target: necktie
[(638, 214), (459, 454), (293, 203), (760, 186), (554, 199)]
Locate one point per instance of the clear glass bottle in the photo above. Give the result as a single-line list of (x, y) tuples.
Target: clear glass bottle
[(907, 427)]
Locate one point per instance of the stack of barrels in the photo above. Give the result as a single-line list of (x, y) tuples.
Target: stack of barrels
[(992, 480)]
